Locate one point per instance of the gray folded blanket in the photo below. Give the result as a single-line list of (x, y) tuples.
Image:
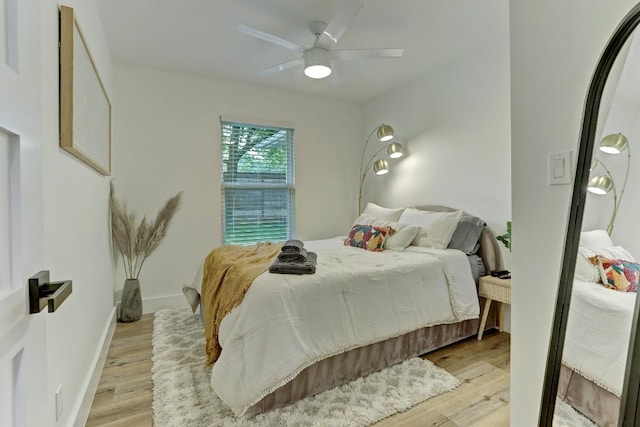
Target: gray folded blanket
[(306, 267), (300, 256), (292, 245)]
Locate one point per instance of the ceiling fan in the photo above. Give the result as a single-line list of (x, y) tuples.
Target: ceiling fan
[(318, 58)]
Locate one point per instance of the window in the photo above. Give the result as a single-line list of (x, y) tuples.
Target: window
[(258, 194)]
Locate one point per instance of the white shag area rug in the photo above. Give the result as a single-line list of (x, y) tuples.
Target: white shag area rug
[(566, 416), (182, 395)]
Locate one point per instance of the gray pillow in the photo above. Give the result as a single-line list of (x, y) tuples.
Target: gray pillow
[(477, 267), (467, 234)]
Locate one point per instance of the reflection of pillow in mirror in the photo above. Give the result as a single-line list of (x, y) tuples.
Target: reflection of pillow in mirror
[(436, 228), (618, 274), (595, 239), (379, 212), (400, 235), (588, 271)]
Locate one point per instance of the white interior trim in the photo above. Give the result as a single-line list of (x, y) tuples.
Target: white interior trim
[(257, 122), (153, 304), (90, 385)]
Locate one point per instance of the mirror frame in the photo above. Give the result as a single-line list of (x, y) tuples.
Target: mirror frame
[(629, 409)]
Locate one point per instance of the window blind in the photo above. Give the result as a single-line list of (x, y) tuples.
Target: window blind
[(258, 193)]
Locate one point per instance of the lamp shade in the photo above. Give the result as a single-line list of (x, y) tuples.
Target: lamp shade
[(317, 63), (601, 184), (381, 167), (395, 150), (614, 143), (384, 133)]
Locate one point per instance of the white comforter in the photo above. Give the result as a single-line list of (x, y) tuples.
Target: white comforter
[(356, 297), (598, 331)]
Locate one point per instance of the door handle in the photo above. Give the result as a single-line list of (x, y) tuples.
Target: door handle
[(43, 293)]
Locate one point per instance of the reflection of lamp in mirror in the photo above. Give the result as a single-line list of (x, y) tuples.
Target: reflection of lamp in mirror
[(603, 184), (384, 133), (600, 185)]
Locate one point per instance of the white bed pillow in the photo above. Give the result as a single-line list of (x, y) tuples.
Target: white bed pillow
[(436, 228), (589, 272), (402, 236), (379, 212), (595, 239)]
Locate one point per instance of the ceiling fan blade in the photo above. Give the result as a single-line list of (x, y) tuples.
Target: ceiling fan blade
[(262, 35), (281, 67), (366, 53), (347, 10)]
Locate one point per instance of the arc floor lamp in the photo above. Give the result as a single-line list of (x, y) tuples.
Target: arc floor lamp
[(384, 133), (603, 184)]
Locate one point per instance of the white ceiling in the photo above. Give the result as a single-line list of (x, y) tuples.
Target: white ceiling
[(200, 36)]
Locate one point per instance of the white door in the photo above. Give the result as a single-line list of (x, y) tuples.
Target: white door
[(23, 361)]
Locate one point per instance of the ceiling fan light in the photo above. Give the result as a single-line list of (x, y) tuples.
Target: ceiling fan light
[(600, 185), (317, 71), (385, 133), (614, 143), (395, 150), (317, 63)]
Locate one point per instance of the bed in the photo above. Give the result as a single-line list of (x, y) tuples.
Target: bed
[(282, 343), (597, 336)]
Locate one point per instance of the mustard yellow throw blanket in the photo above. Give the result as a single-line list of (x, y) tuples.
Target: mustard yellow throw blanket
[(227, 274)]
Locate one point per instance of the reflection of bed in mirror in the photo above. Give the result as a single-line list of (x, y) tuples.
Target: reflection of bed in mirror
[(319, 372), (598, 329), (607, 87)]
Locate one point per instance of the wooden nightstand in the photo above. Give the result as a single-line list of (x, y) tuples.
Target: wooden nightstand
[(494, 289)]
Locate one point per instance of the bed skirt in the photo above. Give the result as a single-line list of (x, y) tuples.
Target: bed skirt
[(343, 368), (596, 403)]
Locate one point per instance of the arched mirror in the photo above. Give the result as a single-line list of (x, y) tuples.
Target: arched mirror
[(593, 366)]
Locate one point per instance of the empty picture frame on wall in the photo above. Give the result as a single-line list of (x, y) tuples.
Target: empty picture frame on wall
[(85, 110)]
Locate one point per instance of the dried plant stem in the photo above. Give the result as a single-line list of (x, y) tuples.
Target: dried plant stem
[(136, 243), (124, 264), (140, 268), (130, 265)]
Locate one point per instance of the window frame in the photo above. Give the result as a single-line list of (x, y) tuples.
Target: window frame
[(228, 186)]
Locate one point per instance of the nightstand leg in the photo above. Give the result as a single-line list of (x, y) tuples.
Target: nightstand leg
[(485, 314), (501, 317)]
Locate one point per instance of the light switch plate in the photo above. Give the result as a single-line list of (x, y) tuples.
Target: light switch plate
[(560, 168)]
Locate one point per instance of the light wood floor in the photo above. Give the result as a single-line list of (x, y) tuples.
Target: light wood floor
[(124, 393)]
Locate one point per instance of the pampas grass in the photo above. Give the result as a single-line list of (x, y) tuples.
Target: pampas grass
[(137, 240)]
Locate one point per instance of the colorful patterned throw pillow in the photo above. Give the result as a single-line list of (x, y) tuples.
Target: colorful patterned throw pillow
[(367, 237), (618, 274)]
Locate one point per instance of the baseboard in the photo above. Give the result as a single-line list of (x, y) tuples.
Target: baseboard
[(153, 304), (91, 382)]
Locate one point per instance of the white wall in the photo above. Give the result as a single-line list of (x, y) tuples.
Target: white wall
[(625, 118), (167, 139), (76, 226), (554, 50), (618, 113), (454, 124)]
